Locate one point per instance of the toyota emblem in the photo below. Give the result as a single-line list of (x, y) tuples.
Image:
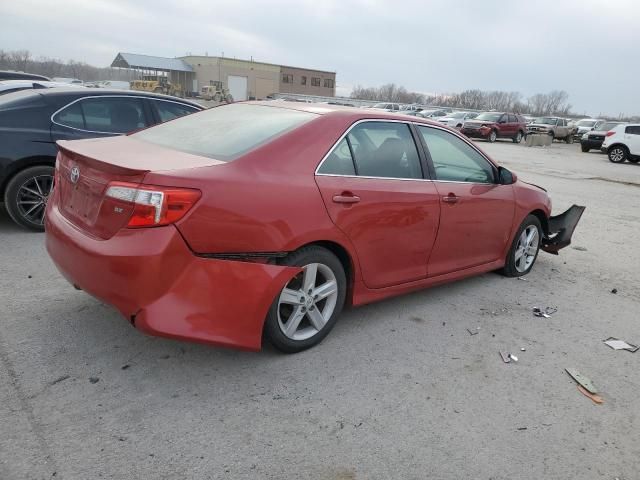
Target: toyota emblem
[(75, 174)]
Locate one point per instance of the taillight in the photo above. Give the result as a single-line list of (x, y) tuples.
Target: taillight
[(153, 205), (610, 133)]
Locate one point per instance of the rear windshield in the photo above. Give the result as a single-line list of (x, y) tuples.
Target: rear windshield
[(225, 133)]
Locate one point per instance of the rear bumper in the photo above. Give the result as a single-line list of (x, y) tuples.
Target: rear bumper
[(560, 229), (594, 144), (154, 280)]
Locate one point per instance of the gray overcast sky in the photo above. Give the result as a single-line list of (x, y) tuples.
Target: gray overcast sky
[(588, 48)]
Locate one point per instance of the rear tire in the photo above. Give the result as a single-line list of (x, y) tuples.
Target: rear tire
[(518, 138), (525, 248), (584, 148), (618, 154), (305, 301), (26, 196)]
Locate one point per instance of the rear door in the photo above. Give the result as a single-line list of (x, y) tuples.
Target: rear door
[(374, 190), (632, 138), (476, 213), (99, 116)]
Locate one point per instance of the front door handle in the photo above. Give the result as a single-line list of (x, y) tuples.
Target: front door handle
[(451, 198), (346, 197)]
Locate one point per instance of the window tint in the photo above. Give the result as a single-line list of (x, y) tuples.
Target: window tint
[(513, 119), (385, 149), (339, 161), (171, 110), (454, 159), (226, 132), (633, 130), (104, 114), (71, 116)]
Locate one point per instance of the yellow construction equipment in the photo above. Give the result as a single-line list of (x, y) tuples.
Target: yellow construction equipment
[(216, 92), (161, 85)]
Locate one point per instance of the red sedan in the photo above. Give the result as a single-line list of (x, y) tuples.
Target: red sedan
[(270, 217)]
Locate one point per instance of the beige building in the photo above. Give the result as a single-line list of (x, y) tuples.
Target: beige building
[(245, 79), (307, 82)]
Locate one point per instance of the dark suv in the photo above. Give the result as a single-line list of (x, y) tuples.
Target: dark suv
[(494, 125), (31, 121)]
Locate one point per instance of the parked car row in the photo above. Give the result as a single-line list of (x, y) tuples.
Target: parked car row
[(31, 121)]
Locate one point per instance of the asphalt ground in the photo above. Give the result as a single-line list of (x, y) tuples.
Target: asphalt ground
[(399, 390)]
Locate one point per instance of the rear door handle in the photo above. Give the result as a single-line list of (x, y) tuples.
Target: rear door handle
[(451, 198), (346, 197)]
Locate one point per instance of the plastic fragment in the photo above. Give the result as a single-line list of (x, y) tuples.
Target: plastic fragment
[(582, 380)]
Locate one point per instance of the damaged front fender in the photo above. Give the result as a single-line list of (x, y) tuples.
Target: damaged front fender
[(559, 229)]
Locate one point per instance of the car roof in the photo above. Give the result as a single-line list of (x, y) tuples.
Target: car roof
[(354, 113), (80, 92)]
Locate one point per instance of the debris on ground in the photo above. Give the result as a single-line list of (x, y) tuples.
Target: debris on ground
[(522, 428), (580, 249), (582, 380), (124, 367), (546, 312), (508, 357), (594, 397), (614, 291), (473, 332), (522, 279), (60, 379), (620, 345), (522, 349), (94, 379)]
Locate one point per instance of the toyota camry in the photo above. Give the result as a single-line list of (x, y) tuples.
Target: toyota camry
[(265, 219)]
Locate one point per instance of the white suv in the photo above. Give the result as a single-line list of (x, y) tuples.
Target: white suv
[(623, 143)]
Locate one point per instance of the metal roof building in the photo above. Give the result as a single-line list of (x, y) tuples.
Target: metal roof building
[(147, 67)]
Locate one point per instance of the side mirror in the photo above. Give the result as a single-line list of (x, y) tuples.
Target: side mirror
[(506, 177)]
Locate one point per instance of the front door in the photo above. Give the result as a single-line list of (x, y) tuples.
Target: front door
[(374, 190), (476, 213)]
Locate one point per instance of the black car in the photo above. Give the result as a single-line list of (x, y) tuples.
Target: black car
[(9, 75), (31, 121), (594, 138)]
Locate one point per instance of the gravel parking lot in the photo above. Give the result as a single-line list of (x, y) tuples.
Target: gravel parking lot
[(400, 389)]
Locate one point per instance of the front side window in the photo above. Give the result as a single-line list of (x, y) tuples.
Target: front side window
[(227, 132), (170, 110), (103, 115), (454, 160)]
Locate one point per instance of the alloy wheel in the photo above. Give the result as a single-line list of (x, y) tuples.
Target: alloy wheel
[(527, 248), (307, 302), (32, 198), (617, 155), (493, 136)]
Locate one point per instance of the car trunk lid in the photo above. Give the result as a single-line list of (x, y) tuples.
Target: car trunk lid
[(85, 169)]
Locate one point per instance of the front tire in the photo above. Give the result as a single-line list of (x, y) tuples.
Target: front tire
[(308, 306), (618, 154), (492, 136), (584, 148), (524, 249), (26, 196)]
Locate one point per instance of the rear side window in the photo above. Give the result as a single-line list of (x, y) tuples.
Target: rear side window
[(226, 132), (103, 115), (513, 119), (170, 110), (633, 130), (375, 149), (454, 160)]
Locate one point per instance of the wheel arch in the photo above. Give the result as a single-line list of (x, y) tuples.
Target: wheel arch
[(544, 221), (346, 259), (618, 144), (18, 166)]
